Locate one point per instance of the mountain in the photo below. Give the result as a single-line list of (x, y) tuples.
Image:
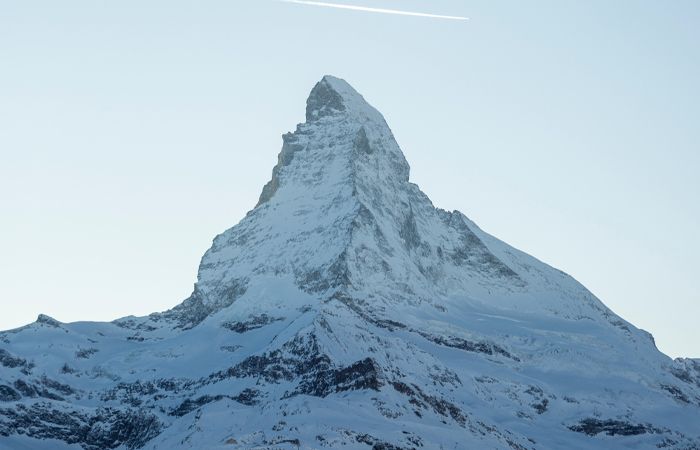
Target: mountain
[(346, 311)]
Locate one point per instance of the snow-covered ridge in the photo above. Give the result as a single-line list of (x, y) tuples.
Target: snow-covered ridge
[(345, 310)]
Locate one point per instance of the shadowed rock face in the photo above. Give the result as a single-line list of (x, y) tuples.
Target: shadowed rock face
[(323, 101), (105, 428), (593, 427), (346, 311)]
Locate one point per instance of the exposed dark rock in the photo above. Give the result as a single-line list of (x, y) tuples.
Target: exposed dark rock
[(11, 361), (323, 101), (687, 370), (541, 407), (592, 427), (57, 386), (295, 442), (131, 323), (132, 428), (683, 375), (49, 321), (7, 360), (103, 428), (485, 379), (251, 324), (7, 394), (68, 369), (619, 323), (300, 359), (676, 393), (248, 397), (229, 348), (26, 389), (388, 324), (361, 144), (377, 444), (85, 353), (424, 401), (190, 405), (361, 375), (271, 367), (138, 392), (297, 358), (487, 348)]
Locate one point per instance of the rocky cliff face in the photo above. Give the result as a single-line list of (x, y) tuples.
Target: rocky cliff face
[(345, 310)]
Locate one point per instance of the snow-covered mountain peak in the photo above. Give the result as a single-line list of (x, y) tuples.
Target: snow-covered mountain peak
[(336, 175), (334, 96), (345, 310), (344, 141), (339, 215)]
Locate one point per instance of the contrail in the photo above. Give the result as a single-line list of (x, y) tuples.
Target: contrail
[(374, 10)]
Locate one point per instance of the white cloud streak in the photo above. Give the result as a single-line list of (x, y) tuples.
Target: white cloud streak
[(374, 10)]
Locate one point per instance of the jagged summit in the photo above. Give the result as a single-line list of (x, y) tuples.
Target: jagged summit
[(325, 100), (332, 96), (341, 128), (345, 310)]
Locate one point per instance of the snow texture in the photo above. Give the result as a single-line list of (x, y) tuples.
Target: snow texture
[(346, 311)]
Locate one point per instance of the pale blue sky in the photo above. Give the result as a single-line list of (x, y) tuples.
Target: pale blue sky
[(132, 132)]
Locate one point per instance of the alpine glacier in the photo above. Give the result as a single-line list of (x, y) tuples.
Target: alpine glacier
[(346, 311)]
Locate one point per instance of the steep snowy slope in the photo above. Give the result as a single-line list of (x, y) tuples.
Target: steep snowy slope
[(345, 310)]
